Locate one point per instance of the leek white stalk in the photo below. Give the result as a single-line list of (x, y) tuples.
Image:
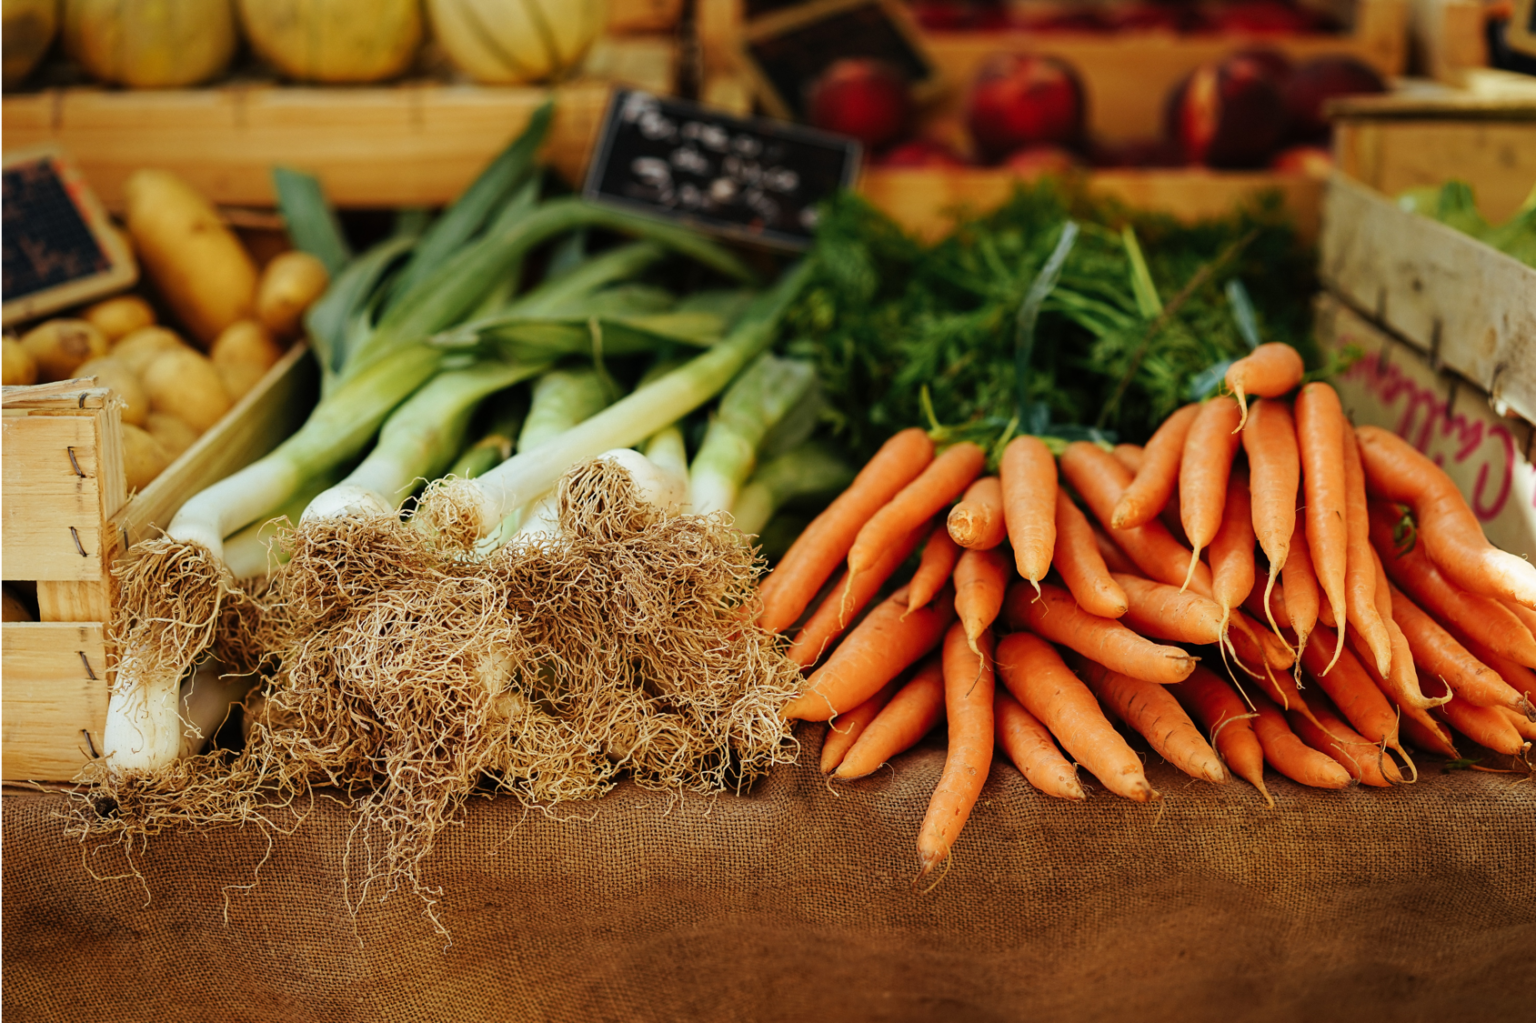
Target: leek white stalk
[(499, 440), (417, 441), (561, 399), (249, 553), (484, 502), (205, 701), (802, 472), (750, 407)]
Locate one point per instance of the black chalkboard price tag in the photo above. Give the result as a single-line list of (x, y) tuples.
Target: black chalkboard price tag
[(744, 178), (59, 247)]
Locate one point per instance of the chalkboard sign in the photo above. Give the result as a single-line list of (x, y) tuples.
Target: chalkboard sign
[(749, 179), (785, 51), (59, 248)]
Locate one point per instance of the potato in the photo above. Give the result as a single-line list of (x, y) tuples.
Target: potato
[(206, 276), (289, 285), (185, 384), (173, 434), (248, 342), (20, 367), (143, 458), (120, 316), (60, 346), (114, 373), (144, 346)]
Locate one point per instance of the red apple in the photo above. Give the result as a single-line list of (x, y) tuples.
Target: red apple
[(1034, 161), (867, 99), (921, 153), (1142, 17), (1313, 161), (942, 15), (1263, 17), (1319, 80), (1230, 114), (1276, 64), (1023, 100), (1139, 153)]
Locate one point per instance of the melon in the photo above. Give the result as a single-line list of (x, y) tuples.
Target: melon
[(334, 40), (510, 42), (150, 44)]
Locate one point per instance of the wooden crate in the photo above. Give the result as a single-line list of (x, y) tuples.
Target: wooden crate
[(631, 17), (1127, 76), (415, 143), (67, 517), (1447, 37)]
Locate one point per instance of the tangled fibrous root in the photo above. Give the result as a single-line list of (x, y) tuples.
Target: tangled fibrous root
[(449, 509), (411, 674)]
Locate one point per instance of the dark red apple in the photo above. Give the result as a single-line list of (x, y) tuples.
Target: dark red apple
[(867, 99), (1033, 161), (942, 15), (1141, 17), (1313, 161), (920, 153), (1229, 114), (1025, 100), (1276, 64), (1319, 80), (1061, 21), (1139, 153), (1263, 17)]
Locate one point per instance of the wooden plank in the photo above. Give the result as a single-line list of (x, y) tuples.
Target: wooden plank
[(51, 704), (923, 199), (1442, 291), (53, 503), (1497, 157), (635, 16), (417, 143), (75, 602), (269, 412), (1396, 386)]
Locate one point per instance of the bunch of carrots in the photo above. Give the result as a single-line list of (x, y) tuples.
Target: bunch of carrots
[(1363, 634)]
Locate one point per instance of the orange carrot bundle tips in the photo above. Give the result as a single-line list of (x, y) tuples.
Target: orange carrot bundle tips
[(1048, 615)]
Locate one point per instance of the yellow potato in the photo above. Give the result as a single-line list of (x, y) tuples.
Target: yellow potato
[(143, 458), (60, 346), (185, 384), (114, 373), (144, 346), (246, 342), (289, 285), (205, 274), (20, 367), (120, 316), (173, 434)]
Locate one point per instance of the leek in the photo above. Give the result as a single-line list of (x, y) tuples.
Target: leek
[(496, 444), (561, 399), (806, 471), (249, 553), (485, 502), (755, 403)]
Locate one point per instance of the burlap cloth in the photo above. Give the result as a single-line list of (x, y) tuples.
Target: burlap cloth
[(793, 904)]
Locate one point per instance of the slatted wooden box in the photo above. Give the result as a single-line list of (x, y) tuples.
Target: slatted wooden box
[(67, 518)]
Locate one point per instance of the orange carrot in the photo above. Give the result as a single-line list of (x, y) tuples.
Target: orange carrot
[(1526, 615), (1301, 594), (1203, 472), (968, 689), (1482, 618), (1351, 688), (845, 731), (1056, 616), (1275, 464), (1485, 726), (1131, 456), (1158, 474), (945, 478), (1115, 559), (881, 647), (939, 556), (1359, 564), (981, 579), (1231, 554), (1441, 656), (811, 560), (846, 599), (1292, 757), (1080, 564), (1274, 612), (1028, 473), (1364, 760), (1036, 675), (1433, 737), (1152, 711), (977, 521), (1260, 642), (1100, 480), (911, 714), (1518, 677), (1449, 530), (1523, 725), (1320, 436), (1229, 721), (1033, 751), (1272, 370), (1161, 611)]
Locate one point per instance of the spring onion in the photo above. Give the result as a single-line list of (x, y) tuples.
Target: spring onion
[(750, 407), (805, 471)]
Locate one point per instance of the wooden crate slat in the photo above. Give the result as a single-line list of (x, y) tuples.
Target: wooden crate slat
[(1446, 293), (51, 702), (51, 501), (1392, 155)]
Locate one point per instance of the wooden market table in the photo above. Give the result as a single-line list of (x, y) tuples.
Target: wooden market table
[(793, 903)]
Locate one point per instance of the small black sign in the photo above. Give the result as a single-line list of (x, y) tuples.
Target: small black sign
[(745, 178), (57, 245)]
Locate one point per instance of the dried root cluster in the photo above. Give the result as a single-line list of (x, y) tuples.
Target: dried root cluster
[(401, 667)]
